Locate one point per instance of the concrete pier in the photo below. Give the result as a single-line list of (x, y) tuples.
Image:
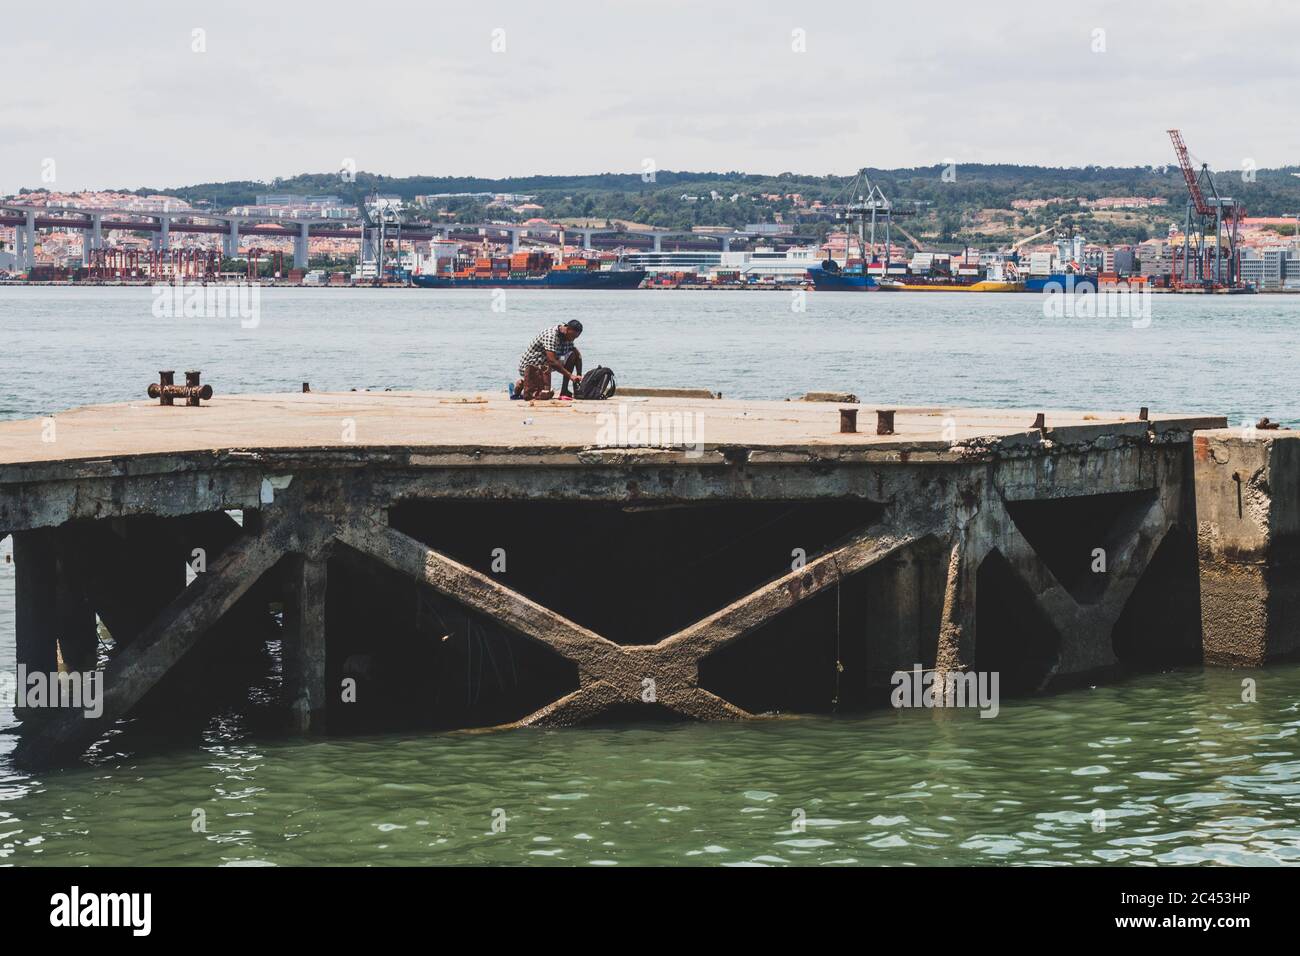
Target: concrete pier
[(455, 561), (1248, 534)]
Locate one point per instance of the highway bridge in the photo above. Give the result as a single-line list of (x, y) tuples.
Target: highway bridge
[(28, 219)]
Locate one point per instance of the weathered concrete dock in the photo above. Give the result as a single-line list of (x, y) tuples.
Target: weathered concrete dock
[(462, 561)]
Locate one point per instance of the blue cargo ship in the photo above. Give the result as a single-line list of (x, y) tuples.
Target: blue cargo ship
[(555, 279), (831, 276), (1062, 282)]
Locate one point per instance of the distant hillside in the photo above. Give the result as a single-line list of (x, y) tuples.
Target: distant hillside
[(973, 206)]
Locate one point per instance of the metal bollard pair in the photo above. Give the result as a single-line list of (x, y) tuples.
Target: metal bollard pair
[(884, 420), (167, 391)]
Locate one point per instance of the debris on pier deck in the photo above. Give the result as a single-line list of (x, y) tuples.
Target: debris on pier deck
[(457, 560)]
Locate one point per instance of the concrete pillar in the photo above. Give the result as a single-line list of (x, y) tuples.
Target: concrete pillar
[(35, 601), (726, 244), (53, 617), (97, 232), (659, 247), (514, 240), (300, 247), (232, 239), (77, 630), (586, 239), (899, 635), (164, 233), (304, 641), (30, 250), (85, 247), (20, 236), (1248, 540), (955, 616)]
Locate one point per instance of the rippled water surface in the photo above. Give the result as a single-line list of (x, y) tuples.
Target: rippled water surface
[(1180, 768), (1232, 355)]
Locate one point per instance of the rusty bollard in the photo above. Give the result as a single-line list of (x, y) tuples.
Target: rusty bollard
[(166, 391), (884, 421), (1040, 421), (848, 419), (1144, 414), (306, 386), (193, 389), (159, 391)]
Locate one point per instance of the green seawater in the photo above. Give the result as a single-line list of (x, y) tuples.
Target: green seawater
[(1180, 768)]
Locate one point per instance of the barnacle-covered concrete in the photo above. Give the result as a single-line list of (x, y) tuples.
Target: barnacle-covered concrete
[(1248, 538)]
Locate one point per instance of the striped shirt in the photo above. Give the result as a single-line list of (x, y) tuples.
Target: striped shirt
[(548, 340)]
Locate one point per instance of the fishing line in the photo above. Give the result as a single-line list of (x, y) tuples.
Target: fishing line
[(839, 663)]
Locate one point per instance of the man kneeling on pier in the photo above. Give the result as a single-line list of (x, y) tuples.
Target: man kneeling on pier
[(552, 350)]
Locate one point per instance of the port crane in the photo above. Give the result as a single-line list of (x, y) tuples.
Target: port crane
[(870, 207), (1050, 230), (1220, 215), (912, 239), (368, 233), (375, 231)]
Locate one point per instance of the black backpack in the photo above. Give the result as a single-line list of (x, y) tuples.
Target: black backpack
[(596, 384)]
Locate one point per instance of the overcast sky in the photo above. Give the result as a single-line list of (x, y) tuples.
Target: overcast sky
[(115, 95)]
